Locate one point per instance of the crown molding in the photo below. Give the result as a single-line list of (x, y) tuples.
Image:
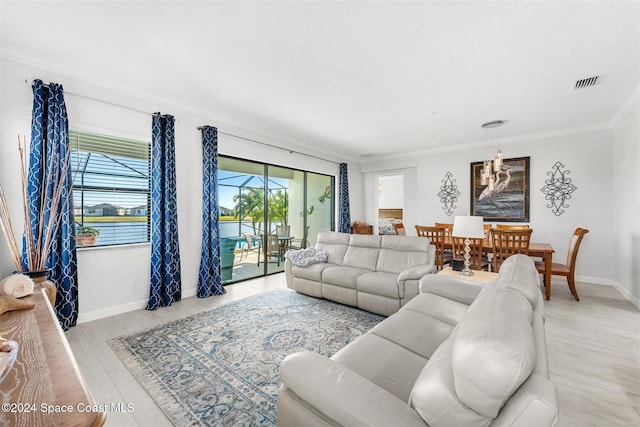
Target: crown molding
[(25, 58), (481, 144), (631, 102)]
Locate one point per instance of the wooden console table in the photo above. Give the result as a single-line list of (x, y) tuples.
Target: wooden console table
[(479, 276), (360, 228), (45, 386)]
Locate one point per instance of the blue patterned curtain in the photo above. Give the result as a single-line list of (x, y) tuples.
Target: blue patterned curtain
[(344, 220), (210, 277), (48, 165), (166, 286)]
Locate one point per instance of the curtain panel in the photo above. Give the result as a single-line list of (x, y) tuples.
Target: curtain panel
[(210, 275), (344, 212), (166, 283), (50, 200)]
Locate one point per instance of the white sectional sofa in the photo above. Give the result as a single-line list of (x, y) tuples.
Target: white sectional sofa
[(458, 354), (379, 274)]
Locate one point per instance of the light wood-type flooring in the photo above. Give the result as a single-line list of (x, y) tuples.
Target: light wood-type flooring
[(593, 345)]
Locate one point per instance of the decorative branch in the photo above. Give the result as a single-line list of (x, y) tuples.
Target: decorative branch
[(37, 247), (448, 193), (558, 189)]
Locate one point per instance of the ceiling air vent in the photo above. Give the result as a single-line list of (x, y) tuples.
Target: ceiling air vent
[(588, 82)]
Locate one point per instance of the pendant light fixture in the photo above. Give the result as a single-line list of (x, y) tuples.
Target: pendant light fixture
[(491, 167)]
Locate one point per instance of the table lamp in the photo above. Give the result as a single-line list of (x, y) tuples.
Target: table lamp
[(469, 227)]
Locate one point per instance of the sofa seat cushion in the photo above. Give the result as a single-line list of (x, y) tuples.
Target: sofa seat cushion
[(382, 362), (310, 272), (379, 283), (423, 324), (343, 275)]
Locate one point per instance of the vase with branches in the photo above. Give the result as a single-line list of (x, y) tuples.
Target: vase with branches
[(38, 242)]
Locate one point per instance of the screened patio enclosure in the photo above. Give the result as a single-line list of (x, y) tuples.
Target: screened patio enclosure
[(111, 187), (266, 210)]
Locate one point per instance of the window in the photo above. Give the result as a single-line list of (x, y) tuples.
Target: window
[(111, 188)]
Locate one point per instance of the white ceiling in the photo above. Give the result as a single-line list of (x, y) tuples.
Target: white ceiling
[(355, 78)]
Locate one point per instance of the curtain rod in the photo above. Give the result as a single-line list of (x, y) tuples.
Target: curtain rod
[(199, 127), (273, 146), (102, 101)]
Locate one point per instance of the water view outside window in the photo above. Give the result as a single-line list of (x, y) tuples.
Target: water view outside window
[(266, 210), (111, 188)]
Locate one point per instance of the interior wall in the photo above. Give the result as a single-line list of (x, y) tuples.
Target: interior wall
[(626, 201), (114, 280), (390, 192), (589, 158)]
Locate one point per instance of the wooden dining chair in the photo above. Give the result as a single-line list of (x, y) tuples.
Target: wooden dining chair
[(436, 235), (509, 242), (478, 261), (400, 231), (567, 270), (512, 227), (448, 229)]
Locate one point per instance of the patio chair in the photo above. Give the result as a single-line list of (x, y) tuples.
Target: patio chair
[(272, 248), (301, 243), (251, 246)]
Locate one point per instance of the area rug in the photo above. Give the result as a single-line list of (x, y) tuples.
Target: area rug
[(220, 367)]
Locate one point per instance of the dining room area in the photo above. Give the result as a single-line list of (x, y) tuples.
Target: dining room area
[(469, 244)]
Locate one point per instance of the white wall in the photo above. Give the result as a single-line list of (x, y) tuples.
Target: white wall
[(588, 156), (626, 201), (391, 192), (114, 280)]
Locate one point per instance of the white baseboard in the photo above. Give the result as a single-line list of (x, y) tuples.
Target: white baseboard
[(123, 308), (628, 295), (610, 282), (594, 280), (111, 311)]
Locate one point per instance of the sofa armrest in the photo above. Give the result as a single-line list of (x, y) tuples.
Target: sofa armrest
[(341, 395), (450, 287), (417, 272)]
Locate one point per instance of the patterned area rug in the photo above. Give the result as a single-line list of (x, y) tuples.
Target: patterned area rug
[(220, 367)]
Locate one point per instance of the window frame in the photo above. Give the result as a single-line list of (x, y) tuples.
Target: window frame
[(85, 143)]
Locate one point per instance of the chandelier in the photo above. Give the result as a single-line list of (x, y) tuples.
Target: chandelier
[(491, 167)]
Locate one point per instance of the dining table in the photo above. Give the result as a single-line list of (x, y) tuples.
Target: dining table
[(537, 250)]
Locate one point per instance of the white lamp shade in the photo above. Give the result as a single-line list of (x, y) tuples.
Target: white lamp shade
[(471, 227)]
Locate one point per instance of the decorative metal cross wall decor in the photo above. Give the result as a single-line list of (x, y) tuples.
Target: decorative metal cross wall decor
[(448, 193), (558, 189)]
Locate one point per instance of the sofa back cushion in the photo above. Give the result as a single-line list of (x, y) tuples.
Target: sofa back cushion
[(489, 354), (399, 253), (519, 272), (363, 251), (334, 244), (494, 350), (434, 397)]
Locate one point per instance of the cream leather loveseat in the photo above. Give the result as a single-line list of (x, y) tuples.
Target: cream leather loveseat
[(459, 354), (375, 273)]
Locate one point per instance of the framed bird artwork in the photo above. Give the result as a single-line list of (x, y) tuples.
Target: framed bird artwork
[(505, 196)]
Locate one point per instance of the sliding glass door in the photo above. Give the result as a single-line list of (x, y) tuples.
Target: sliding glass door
[(266, 210), (320, 205)]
